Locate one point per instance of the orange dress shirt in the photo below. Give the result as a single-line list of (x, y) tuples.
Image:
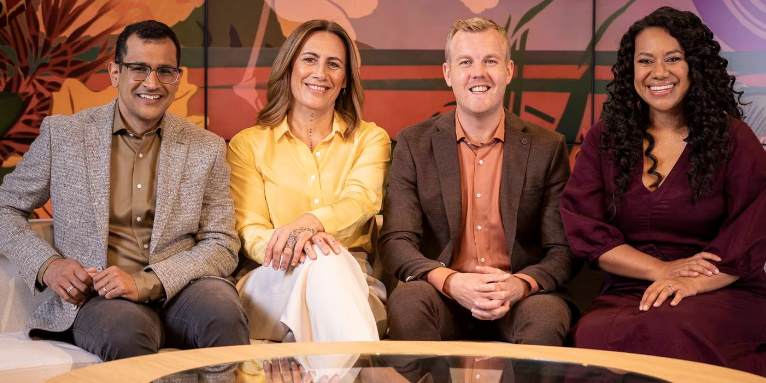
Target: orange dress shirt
[(482, 237)]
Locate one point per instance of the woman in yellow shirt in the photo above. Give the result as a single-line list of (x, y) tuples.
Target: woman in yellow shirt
[(307, 181)]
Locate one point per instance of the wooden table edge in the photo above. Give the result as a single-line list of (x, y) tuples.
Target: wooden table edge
[(151, 367)]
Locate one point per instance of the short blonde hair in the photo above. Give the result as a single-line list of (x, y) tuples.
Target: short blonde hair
[(477, 24)]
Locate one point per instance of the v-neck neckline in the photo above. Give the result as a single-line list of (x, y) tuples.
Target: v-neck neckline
[(672, 175)]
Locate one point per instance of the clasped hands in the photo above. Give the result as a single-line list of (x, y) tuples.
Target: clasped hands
[(295, 241), (679, 279), (75, 283), (287, 370), (489, 293)]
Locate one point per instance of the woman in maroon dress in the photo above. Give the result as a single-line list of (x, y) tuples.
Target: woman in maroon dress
[(667, 196)]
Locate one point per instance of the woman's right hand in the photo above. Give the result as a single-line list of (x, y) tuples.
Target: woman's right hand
[(290, 240), (690, 267)]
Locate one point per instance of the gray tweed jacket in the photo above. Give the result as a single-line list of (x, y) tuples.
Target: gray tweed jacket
[(193, 234)]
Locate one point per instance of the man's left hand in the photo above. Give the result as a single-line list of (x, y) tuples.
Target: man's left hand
[(113, 283)]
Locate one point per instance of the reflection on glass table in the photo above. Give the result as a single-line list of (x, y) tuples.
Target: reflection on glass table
[(347, 368)]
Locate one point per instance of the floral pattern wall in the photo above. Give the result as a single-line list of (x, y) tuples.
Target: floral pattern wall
[(53, 56)]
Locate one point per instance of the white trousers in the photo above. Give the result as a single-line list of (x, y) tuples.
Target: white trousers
[(322, 300)]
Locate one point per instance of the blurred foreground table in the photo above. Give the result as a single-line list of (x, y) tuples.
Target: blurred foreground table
[(393, 362)]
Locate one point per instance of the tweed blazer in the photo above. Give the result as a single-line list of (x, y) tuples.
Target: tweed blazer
[(193, 234), (422, 209)]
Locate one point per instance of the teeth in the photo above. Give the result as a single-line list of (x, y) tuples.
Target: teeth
[(319, 88), (149, 96), (480, 88), (663, 87)]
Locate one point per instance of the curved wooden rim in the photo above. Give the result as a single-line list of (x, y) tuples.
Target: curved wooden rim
[(151, 367)]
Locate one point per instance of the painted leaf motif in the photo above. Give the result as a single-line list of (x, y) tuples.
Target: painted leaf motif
[(293, 13), (11, 107), (478, 6), (169, 12)]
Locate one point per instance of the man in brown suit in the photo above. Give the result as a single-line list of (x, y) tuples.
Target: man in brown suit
[(471, 217)]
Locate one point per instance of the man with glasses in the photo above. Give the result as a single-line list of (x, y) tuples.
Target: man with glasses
[(143, 219)]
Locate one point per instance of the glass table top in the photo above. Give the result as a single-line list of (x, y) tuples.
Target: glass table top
[(368, 368)]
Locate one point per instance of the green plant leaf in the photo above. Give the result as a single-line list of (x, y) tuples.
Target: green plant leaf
[(531, 14), (602, 29), (11, 107)]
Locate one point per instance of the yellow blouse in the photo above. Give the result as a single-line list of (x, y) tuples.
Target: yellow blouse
[(275, 179)]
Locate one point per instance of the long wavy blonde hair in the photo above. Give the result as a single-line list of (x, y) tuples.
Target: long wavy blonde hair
[(348, 105)]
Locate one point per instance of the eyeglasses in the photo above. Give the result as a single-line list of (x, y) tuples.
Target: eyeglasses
[(139, 72)]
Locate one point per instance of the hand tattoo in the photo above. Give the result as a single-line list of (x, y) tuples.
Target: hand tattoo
[(293, 237)]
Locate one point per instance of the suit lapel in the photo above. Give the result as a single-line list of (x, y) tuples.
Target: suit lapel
[(173, 151), (98, 149), (515, 156), (444, 142)]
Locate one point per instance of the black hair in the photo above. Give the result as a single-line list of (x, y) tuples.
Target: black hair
[(707, 108), (146, 30)]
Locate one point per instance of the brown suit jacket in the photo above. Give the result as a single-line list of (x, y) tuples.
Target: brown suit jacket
[(422, 209)]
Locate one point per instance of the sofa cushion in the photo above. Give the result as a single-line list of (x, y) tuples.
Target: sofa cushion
[(16, 300), (25, 360)]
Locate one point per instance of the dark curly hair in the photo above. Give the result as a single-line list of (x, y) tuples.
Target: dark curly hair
[(707, 108)]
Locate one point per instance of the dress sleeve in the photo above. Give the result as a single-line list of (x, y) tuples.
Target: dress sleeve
[(741, 242), (584, 204), (249, 193), (362, 193)]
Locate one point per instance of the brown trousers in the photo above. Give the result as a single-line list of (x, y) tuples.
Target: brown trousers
[(417, 311)]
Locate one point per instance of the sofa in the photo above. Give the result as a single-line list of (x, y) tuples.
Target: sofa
[(21, 359), (25, 360)]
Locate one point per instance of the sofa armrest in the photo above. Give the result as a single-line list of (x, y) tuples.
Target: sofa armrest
[(16, 301)]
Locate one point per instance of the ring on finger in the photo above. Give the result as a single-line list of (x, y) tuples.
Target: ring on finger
[(105, 290), (671, 287), (68, 289)]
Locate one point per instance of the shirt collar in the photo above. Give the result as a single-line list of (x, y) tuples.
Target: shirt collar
[(499, 132), (338, 126), (118, 126)]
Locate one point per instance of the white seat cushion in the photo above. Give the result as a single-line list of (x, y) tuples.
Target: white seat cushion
[(26, 360)]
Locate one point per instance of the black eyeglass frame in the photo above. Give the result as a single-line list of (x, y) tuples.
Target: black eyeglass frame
[(178, 72)]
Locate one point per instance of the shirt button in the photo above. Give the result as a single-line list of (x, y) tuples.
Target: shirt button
[(481, 162), (317, 154), (482, 261), (138, 219), (146, 246), (478, 227), (313, 177), (478, 195), (316, 200), (138, 186), (478, 376), (140, 155)]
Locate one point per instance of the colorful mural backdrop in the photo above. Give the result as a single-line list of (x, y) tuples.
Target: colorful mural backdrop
[(53, 55)]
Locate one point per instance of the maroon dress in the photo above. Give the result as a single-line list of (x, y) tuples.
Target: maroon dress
[(726, 327)]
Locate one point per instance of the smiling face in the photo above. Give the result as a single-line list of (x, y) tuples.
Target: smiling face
[(319, 73), (661, 72), (477, 71), (142, 103)]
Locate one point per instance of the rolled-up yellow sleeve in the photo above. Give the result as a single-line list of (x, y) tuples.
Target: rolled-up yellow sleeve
[(362, 194), (250, 207)]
